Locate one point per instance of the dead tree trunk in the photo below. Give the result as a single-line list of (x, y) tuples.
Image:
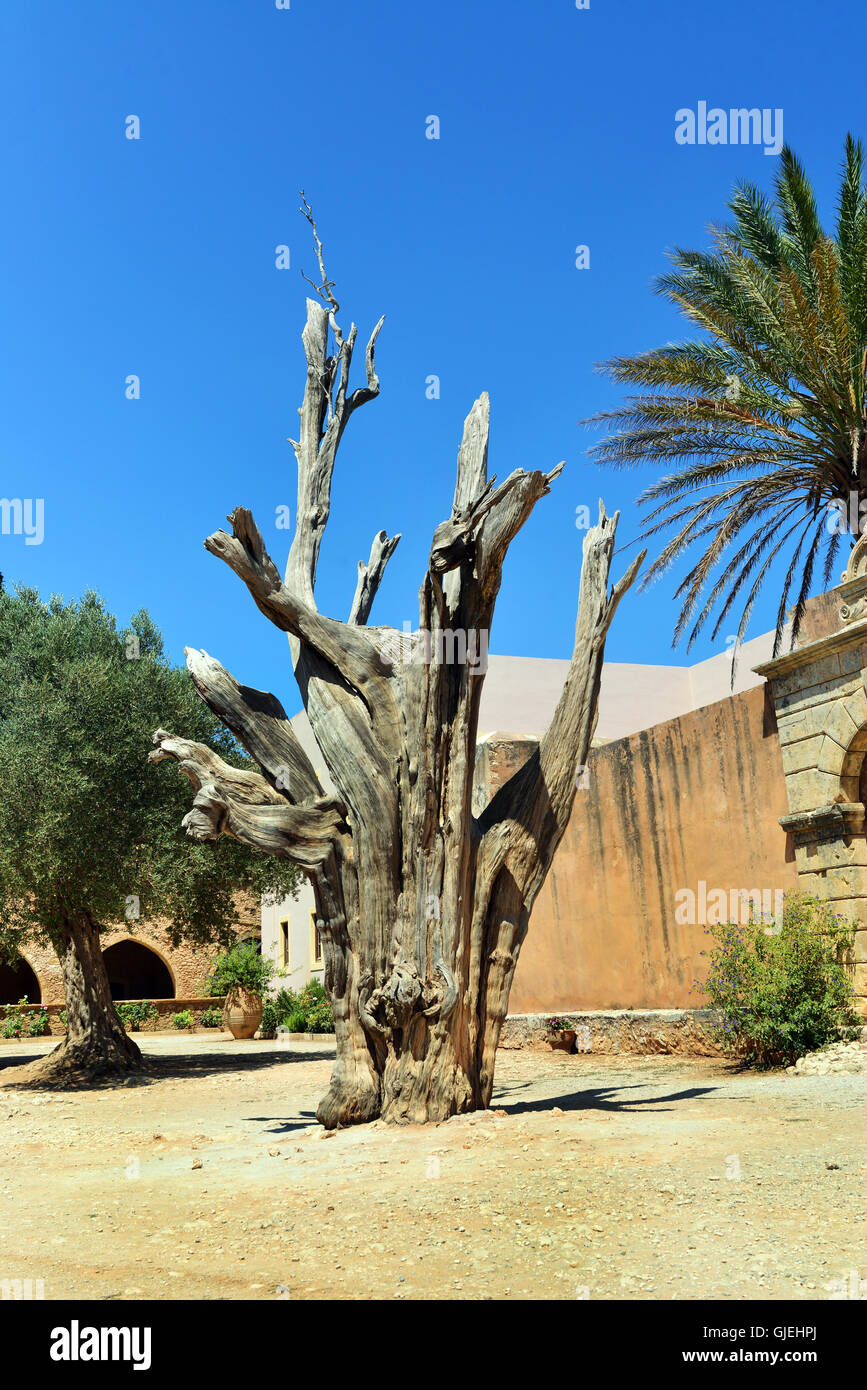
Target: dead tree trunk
[(421, 904)]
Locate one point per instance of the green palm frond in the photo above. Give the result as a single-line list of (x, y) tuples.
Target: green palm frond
[(760, 422), (756, 230), (799, 216)]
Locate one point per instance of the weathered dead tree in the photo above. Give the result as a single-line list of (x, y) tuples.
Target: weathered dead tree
[(422, 905)]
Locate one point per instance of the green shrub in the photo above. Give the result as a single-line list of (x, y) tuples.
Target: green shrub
[(314, 1000), (785, 990), (20, 1022), (320, 1019), (285, 1003), (211, 1018), (313, 993), (134, 1015), (183, 1019), (268, 1026), (12, 1026), (307, 1011), (242, 967)]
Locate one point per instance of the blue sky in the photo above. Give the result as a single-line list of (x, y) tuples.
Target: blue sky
[(156, 257)]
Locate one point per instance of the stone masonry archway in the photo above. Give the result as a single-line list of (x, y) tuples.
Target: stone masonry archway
[(820, 697), (136, 971), (19, 980)]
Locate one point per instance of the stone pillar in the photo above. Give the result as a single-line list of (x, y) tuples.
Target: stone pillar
[(821, 707)]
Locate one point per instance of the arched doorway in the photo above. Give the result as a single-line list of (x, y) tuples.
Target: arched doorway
[(862, 782), (18, 981), (136, 972)]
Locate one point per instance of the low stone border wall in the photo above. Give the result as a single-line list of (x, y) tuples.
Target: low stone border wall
[(161, 1024), (286, 1038), (683, 1032)]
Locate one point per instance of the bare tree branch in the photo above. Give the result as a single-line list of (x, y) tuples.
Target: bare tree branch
[(538, 799), (362, 394), (525, 821), (325, 289), (348, 649), (233, 801), (370, 576), (258, 721), (325, 412)]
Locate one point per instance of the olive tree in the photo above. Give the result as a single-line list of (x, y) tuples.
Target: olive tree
[(89, 837)]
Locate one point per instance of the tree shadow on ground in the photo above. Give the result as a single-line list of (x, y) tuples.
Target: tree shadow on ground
[(217, 1063), (603, 1098), (157, 1067), (280, 1125)]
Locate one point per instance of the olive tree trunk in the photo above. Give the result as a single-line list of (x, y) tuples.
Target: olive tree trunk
[(96, 1043), (422, 905)]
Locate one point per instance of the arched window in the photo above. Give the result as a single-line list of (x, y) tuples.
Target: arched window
[(136, 972), (18, 981), (251, 938), (853, 774)]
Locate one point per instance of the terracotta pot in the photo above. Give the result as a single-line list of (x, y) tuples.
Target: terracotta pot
[(563, 1040), (242, 1013)]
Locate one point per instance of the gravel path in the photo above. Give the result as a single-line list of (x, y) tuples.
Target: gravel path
[(606, 1178)]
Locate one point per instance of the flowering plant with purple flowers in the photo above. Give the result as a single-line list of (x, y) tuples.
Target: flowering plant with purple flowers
[(780, 992), (560, 1025)]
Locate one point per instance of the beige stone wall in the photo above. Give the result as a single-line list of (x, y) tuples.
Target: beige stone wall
[(187, 965)]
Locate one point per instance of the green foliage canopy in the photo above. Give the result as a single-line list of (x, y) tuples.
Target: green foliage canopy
[(86, 823)]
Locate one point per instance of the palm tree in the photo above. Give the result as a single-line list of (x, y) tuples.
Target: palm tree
[(763, 419)]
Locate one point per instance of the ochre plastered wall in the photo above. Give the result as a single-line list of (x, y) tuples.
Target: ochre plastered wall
[(697, 798)]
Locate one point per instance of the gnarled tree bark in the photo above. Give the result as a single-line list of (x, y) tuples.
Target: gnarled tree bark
[(96, 1044), (422, 905)]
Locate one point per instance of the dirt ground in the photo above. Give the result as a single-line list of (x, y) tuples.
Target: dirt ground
[(601, 1178)]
